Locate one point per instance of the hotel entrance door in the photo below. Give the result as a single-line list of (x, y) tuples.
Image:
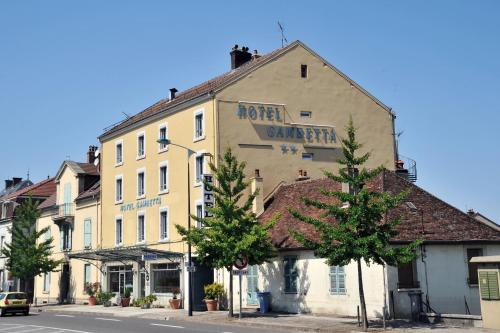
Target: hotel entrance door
[(120, 277)]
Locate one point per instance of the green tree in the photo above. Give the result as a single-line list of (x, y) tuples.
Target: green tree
[(360, 231), (27, 256), (233, 231)]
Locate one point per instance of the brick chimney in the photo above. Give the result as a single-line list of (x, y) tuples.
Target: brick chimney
[(8, 183), (239, 57), (257, 184), (302, 176), (91, 154)]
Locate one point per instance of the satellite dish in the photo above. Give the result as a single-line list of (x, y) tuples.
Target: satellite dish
[(97, 152)]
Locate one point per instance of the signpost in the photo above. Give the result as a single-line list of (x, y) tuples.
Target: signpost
[(241, 263)]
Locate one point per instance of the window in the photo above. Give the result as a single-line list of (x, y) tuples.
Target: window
[(141, 145), (199, 125), (337, 280), (118, 231), (166, 278), (163, 177), (140, 227), (305, 114), (118, 189), (87, 277), (303, 71), (5, 207), (407, 276), (87, 233), (65, 232), (307, 156), (163, 224), (46, 282), (162, 134), (119, 152), (290, 274), (473, 266), (141, 191), (199, 168), (199, 214), (48, 234)]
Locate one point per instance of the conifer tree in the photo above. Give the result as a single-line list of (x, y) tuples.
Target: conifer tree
[(359, 231), (28, 257), (233, 232)]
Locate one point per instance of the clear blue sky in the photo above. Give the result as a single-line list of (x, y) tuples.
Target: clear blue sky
[(70, 68)]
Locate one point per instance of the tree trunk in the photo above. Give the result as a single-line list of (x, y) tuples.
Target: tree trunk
[(362, 297), (230, 305)]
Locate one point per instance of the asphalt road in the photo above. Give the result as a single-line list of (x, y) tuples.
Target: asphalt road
[(54, 322)]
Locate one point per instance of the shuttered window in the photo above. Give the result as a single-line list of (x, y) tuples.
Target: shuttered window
[(473, 266), (87, 233), (337, 280), (488, 285)]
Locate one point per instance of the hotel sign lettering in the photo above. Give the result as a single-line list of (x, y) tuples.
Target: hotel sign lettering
[(140, 204), (307, 133)]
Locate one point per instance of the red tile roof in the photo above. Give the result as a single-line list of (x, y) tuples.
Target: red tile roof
[(49, 202), (45, 188), (435, 220), (89, 169), (94, 190)]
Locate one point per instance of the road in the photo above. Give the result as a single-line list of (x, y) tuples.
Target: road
[(54, 322)]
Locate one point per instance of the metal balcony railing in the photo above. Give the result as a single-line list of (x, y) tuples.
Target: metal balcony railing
[(65, 210), (411, 166)]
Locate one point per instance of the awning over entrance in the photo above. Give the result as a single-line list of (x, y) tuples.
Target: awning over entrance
[(128, 253)]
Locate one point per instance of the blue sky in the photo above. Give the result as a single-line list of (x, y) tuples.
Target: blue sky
[(70, 68)]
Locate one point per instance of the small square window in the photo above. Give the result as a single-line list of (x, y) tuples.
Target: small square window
[(305, 114), (303, 71), (307, 156)]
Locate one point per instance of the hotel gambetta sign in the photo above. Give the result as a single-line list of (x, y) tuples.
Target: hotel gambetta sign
[(281, 112)]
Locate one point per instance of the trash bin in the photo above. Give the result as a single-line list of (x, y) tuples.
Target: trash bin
[(264, 301)]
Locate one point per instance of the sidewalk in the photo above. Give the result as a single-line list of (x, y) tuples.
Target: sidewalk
[(289, 322)]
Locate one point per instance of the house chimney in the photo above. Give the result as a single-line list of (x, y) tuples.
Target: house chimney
[(16, 180), (302, 176), (255, 55), (471, 212), (91, 154), (172, 93), (239, 57), (8, 183), (257, 184)]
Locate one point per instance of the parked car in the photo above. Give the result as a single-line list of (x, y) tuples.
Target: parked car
[(14, 302)]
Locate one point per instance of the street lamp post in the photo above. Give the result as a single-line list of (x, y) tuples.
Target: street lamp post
[(190, 152)]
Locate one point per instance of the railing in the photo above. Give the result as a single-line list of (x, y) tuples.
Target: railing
[(411, 166), (65, 210)]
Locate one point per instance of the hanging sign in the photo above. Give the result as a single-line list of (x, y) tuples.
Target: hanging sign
[(208, 195)]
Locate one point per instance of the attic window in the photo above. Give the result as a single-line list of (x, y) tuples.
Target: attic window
[(303, 71), (305, 114)]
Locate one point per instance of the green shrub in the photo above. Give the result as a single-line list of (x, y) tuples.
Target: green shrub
[(103, 297), (213, 291)]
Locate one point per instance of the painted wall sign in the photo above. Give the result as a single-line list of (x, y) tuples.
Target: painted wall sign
[(208, 194), (140, 204), (290, 132)]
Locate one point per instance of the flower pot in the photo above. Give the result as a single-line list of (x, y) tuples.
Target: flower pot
[(211, 304), (92, 300), (175, 303), (125, 302), (146, 306)]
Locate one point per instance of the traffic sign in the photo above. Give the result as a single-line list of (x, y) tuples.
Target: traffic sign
[(149, 256), (241, 262), (240, 272)]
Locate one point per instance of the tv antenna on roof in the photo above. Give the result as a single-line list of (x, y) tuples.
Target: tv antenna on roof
[(283, 38), (126, 115)]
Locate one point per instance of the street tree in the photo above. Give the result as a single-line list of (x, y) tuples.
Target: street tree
[(233, 231), (28, 255), (355, 227)]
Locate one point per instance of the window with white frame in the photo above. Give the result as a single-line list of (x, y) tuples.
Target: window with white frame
[(118, 231), (87, 233), (337, 280), (290, 273), (163, 177), (87, 277), (119, 152), (141, 184), (141, 145), (199, 125), (199, 165), (118, 189), (199, 214), (163, 224), (162, 134), (5, 207), (141, 225), (46, 282)]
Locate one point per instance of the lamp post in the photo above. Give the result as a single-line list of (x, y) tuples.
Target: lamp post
[(190, 152)]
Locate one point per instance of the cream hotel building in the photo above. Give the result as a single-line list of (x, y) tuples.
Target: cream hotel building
[(280, 112)]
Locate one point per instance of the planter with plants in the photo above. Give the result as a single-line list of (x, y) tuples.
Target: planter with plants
[(145, 302), (104, 298), (175, 303), (91, 289), (212, 293), (126, 297)]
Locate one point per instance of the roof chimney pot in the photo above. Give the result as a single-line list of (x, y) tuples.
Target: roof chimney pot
[(239, 57), (172, 93)]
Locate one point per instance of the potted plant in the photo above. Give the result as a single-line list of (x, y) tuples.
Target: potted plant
[(147, 301), (91, 289), (126, 297), (175, 303), (104, 298), (212, 293)]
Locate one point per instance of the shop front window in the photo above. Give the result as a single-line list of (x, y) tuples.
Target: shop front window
[(166, 278), (120, 277)]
